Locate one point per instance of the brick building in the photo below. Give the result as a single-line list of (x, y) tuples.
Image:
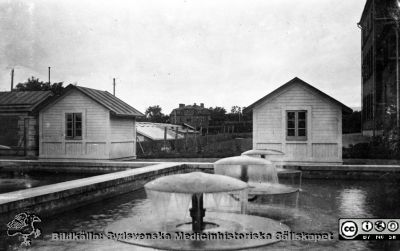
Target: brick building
[(378, 53), (194, 115)]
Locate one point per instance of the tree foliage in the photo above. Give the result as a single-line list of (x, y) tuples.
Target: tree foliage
[(34, 84), (154, 114), (217, 114), (236, 109)]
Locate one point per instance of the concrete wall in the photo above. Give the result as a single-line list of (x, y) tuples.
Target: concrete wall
[(56, 198), (324, 126)]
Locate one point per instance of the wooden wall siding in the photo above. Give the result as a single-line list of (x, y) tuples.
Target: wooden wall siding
[(33, 131), (55, 148), (273, 146), (122, 129), (103, 136), (73, 148), (324, 126), (325, 151), (325, 123), (297, 150), (123, 138), (96, 149), (271, 119), (13, 127), (95, 127), (94, 117), (122, 149)]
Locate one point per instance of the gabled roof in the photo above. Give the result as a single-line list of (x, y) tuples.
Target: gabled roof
[(116, 106), (22, 101), (296, 80)]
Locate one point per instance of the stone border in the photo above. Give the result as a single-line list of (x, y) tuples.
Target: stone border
[(73, 166), (348, 172), (51, 199), (55, 198)]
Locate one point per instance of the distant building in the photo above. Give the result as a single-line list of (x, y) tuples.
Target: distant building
[(149, 131), (194, 115), (19, 129), (301, 121), (378, 55), (85, 123)]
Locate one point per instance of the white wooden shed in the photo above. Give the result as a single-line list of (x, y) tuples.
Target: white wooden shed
[(85, 123), (301, 121)]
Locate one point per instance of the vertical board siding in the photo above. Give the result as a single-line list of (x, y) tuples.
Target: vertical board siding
[(53, 147), (297, 151), (323, 137), (73, 148), (96, 149), (325, 151)]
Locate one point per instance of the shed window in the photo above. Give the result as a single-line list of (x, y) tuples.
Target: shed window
[(296, 125), (73, 125)]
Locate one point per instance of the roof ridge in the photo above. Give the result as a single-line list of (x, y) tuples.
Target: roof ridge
[(294, 81), (108, 100)]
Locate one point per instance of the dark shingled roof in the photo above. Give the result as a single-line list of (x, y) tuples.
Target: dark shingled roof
[(22, 101), (116, 106), (296, 80)]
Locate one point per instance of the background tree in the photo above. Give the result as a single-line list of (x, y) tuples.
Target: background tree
[(154, 114), (34, 84), (236, 113), (247, 116), (218, 115)]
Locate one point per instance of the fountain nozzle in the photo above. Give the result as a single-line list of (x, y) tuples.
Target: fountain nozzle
[(197, 212)]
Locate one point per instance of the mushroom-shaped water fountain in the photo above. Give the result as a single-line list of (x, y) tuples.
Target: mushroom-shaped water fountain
[(196, 184), (260, 174), (273, 155), (211, 231)]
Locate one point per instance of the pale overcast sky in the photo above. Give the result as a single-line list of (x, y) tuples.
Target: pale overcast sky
[(165, 52)]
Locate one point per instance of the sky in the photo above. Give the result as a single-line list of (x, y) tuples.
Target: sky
[(166, 52)]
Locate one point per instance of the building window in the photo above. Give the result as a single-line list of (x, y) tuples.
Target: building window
[(73, 125), (296, 125)]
